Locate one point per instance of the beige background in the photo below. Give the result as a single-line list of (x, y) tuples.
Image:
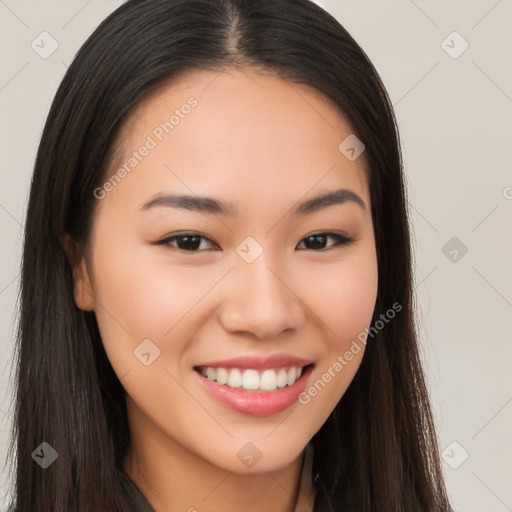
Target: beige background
[(455, 120)]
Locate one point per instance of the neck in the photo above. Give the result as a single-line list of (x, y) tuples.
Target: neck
[(171, 477)]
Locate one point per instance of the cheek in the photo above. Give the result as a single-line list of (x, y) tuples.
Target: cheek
[(344, 297), (345, 301), (138, 299), (350, 304)]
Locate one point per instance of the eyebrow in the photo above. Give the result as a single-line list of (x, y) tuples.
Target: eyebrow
[(214, 206)]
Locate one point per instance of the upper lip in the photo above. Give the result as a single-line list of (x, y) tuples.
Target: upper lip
[(258, 362)]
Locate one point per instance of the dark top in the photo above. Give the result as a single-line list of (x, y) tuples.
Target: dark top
[(133, 496), (131, 493)]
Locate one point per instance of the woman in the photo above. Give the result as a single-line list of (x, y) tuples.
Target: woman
[(216, 304)]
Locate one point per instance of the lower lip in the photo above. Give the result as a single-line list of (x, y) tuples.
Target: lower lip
[(256, 404)]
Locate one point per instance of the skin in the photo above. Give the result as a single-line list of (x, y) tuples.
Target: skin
[(264, 145)]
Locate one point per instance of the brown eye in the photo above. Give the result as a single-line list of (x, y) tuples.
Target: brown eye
[(317, 241), (189, 242)]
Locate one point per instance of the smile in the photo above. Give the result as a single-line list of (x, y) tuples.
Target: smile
[(252, 379), (254, 392)]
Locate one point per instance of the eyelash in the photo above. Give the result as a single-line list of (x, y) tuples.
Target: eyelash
[(340, 240)]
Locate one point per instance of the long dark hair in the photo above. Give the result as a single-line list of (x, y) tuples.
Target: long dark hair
[(378, 450)]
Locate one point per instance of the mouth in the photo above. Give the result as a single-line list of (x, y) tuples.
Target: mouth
[(255, 380), (252, 391)]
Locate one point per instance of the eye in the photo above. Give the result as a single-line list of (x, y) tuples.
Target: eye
[(191, 241), (317, 240)]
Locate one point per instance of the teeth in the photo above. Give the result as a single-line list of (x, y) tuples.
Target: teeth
[(222, 375), (281, 379), (266, 380), (235, 378), (291, 376), (250, 379)]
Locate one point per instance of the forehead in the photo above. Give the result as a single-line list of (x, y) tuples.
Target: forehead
[(238, 126)]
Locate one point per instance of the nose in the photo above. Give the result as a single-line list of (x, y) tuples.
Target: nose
[(260, 300)]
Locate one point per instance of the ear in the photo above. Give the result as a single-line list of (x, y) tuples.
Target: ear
[(83, 292)]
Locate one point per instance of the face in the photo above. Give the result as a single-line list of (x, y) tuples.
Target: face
[(245, 292)]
